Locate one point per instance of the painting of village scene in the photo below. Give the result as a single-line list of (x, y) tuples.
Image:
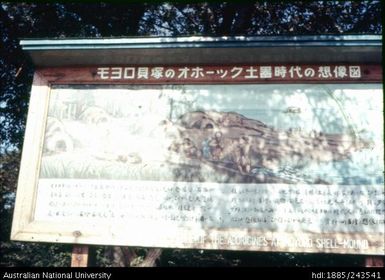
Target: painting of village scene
[(291, 134)]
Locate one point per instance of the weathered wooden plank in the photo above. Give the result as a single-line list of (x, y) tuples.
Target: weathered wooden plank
[(221, 74), (374, 261), (79, 256), (151, 257), (31, 155)]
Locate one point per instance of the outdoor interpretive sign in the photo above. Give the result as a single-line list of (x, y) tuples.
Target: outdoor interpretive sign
[(256, 157)]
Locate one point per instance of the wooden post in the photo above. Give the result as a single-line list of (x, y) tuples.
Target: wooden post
[(152, 256), (79, 256), (374, 261)]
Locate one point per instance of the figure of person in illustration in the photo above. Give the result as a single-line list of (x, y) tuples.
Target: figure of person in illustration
[(189, 149), (242, 157), (216, 146), (206, 148)]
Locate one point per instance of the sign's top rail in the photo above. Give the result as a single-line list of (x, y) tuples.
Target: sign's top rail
[(196, 50), (199, 42)]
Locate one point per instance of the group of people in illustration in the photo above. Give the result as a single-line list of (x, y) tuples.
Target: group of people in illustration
[(216, 149)]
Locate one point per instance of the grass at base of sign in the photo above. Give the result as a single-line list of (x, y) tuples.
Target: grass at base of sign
[(87, 167)]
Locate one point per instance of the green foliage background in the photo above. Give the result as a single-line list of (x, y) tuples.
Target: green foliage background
[(81, 20)]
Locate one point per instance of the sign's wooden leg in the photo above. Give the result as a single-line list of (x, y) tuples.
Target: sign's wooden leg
[(79, 256), (374, 261), (129, 255), (152, 256)]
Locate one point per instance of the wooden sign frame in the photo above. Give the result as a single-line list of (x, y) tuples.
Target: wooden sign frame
[(25, 228)]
